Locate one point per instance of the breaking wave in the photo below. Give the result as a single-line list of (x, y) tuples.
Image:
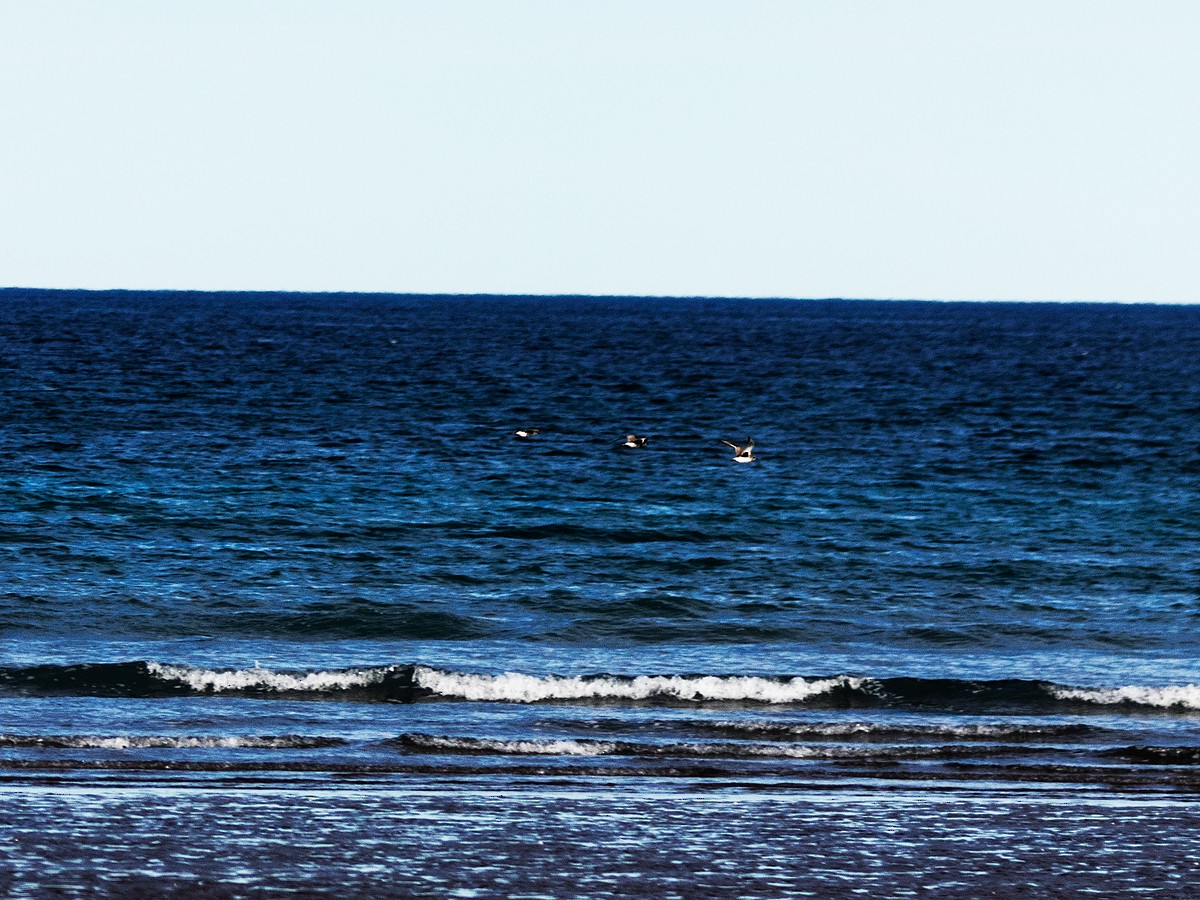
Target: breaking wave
[(518, 688), (411, 683), (1185, 696), (207, 681)]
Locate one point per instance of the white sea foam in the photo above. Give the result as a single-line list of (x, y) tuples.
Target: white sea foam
[(889, 730), (173, 742), (1184, 695), (427, 743), (257, 678), (519, 688), (142, 742), (566, 747)]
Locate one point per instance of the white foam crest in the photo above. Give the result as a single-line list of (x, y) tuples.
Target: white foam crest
[(584, 747), (731, 750), (807, 729), (135, 742), (158, 742), (1184, 695), (889, 730), (787, 751), (564, 747), (257, 678), (519, 688)]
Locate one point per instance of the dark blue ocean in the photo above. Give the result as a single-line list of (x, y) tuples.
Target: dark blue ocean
[(288, 609)]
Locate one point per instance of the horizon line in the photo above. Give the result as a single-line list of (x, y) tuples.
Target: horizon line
[(560, 296)]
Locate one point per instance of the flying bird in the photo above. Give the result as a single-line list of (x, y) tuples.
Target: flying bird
[(742, 454)]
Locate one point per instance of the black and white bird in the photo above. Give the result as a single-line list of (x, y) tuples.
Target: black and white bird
[(743, 454), (632, 440), (525, 432)]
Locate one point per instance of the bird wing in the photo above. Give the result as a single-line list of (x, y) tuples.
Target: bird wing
[(736, 448)]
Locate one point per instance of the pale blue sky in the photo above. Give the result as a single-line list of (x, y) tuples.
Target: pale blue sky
[(975, 150)]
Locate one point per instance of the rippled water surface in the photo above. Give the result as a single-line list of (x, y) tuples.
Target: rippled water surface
[(603, 843), (293, 540)]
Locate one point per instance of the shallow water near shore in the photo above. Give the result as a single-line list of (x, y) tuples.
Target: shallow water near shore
[(548, 840), (282, 557)]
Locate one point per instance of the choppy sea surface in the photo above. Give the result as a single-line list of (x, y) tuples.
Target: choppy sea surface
[(287, 608)]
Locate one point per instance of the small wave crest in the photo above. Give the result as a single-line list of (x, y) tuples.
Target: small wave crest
[(155, 679), (1184, 696), (167, 742), (260, 679), (475, 746), (884, 731)]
